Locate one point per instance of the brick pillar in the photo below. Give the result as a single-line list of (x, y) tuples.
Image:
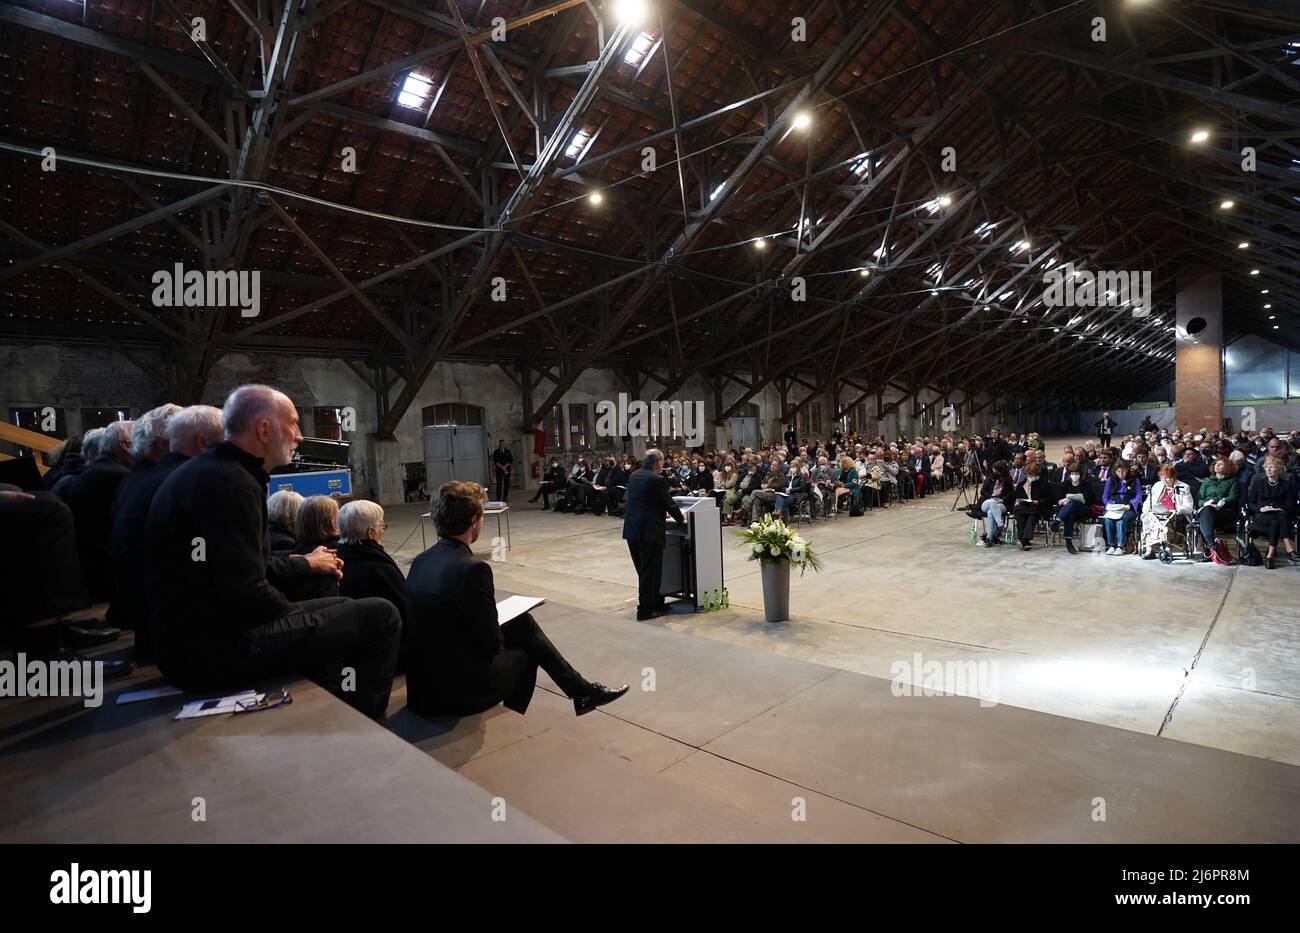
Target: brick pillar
[(1198, 387)]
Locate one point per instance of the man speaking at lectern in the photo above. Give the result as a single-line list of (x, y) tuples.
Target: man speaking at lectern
[(644, 526)]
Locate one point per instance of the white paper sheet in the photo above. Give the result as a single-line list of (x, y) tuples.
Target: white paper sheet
[(154, 694), (219, 705), (515, 606)]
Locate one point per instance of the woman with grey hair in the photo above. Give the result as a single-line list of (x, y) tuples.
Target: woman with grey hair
[(282, 518), (368, 570)]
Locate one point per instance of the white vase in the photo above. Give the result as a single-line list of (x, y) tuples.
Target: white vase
[(776, 590)]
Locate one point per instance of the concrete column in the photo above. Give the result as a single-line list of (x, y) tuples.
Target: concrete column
[(1198, 381), (385, 462)]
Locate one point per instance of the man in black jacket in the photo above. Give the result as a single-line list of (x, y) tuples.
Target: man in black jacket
[(552, 483), (186, 433), (503, 464), (644, 526), (91, 500), (997, 448), (1105, 428), (459, 660), (218, 623)]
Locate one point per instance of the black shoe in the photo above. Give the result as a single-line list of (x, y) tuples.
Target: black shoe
[(645, 616), (1024, 545), (1069, 546), (1294, 557), (79, 636), (1204, 558), (596, 695), (546, 508), (579, 511), (1270, 563)]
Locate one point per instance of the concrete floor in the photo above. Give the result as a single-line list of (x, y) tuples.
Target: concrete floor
[(1194, 653)]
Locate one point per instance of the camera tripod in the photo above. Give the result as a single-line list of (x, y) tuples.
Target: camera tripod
[(970, 474)]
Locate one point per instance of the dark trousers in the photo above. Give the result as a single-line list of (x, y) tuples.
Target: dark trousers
[(1025, 519), (648, 558), (1215, 520), (514, 670), (320, 639), (1104, 440), (1274, 525), (503, 486), (545, 491)]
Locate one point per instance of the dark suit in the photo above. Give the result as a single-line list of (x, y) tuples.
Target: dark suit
[(459, 661), (91, 500), (644, 528), (127, 544), (218, 623)]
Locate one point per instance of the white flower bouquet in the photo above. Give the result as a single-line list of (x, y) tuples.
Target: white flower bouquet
[(773, 540)]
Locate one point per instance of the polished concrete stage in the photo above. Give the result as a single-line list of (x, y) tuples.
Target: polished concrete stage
[(1131, 702)]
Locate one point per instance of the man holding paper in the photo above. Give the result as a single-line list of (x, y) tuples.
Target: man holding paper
[(465, 653)]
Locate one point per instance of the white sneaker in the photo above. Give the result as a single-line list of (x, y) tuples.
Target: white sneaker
[(1111, 552)]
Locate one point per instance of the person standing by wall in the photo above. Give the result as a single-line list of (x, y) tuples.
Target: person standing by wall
[(503, 464)]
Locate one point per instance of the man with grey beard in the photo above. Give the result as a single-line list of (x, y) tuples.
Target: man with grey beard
[(218, 623)]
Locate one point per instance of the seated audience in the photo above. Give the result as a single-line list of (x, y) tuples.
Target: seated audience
[(1075, 498), (459, 660), (282, 515), (41, 572), (552, 483), (1122, 497), (368, 570), (997, 496), (1272, 505), (184, 433), (1169, 501), (218, 623), (317, 527), (1218, 502), (1032, 497), (64, 460), (91, 499)]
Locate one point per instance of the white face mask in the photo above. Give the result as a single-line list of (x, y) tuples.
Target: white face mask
[(1074, 477)]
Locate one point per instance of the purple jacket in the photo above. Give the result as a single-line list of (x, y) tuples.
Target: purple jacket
[(1126, 492)]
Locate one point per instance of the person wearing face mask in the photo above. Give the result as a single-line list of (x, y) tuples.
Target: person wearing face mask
[(1031, 498), (724, 481), (552, 483), (576, 487), (1074, 500), (1218, 500), (1122, 497), (617, 487), (597, 501), (701, 479)]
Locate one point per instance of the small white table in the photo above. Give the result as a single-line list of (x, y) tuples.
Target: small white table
[(497, 512)]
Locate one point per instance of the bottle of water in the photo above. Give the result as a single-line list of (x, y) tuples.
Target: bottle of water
[(974, 532), (706, 603), (726, 598), (717, 600)]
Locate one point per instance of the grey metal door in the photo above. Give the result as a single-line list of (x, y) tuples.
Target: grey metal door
[(455, 453), (744, 432)]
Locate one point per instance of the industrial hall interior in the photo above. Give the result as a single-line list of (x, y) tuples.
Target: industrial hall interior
[(650, 421)]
